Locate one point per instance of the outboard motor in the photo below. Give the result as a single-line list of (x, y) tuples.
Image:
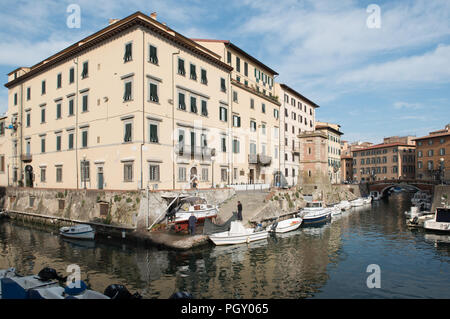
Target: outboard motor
[(274, 226), (120, 292), (181, 295), (48, 273)]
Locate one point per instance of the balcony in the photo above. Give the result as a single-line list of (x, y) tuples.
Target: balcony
[(193, 152), (259, 159), (296, 149), (27, 158)]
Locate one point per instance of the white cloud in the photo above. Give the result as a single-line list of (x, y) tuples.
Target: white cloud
[(406, 105)]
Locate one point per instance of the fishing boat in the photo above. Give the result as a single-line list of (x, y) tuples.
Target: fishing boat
[(238, 234), (344, 205), (376, 195), (315, 213), (440, 222), (357, 202), (81, 231), (181, 208), (286, 225)]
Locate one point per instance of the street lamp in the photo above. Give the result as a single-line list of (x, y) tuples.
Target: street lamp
[(213, 157), (442, 170)]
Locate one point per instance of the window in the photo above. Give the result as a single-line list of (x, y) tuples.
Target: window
[(430, 165), (252, 126), (71, 109), (236, 146), (58, 111), (153, 92), (442, 151), (223, 114), (228, 57), (85, 72), (15, 98), (59, 81), (43, 144), (43, 87), (153, 55), (154, 173), (235, 96), (431, 153), (224, 144), (252, 103), (128, 172), (181, 69), (84, 138), (245, 68), (223, 174), (204, 79), (70, 141), (204, 108), (58, 142), (442, 140), (181, 102), (28, 93), (193, 74), (43, 115), (419, 154), (420, 164), (263, 129), (128, 52), (430, 142), (182, 174), (85, 103), (28, 119), (128, 129), (236, 121), (127, 96), (205, 173), (43, 174), (238, 64), (193, 104), (223, 87), (71, 75), (85, 171), (59, 174), (153, 133), (276, 114), (263, 108)]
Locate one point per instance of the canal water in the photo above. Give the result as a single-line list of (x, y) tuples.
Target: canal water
[(326, 262)]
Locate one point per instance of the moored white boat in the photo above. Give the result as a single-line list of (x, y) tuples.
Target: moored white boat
[(185, 206), (375, 195), (286, 225), (420, 197), (367, 200), (81, 231), (335, 210), (238, 234), (357, 202), (345, 205), (440, 222), (315, 213)]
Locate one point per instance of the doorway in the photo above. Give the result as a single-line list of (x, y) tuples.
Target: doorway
[(28, 176)]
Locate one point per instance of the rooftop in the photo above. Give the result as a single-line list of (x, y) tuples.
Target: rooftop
[(287, 88)]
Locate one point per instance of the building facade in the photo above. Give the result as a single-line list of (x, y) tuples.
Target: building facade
[(134, 105), (333, 149), (255, 113), (297, 116), (433, 156), (386, 161)]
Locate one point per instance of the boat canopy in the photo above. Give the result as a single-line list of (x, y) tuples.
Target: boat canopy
[(443, 215)]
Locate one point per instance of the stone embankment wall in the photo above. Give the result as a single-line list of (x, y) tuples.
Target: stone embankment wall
[(131, 209), (441, 196)]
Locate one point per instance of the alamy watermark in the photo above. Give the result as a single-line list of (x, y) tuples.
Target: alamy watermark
[(74, 19), (74, 278), (374, 19), (374, 280)]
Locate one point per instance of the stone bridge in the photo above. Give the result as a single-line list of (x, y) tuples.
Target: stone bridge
[(384, 186)]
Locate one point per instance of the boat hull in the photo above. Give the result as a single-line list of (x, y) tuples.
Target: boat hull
[(88, 235), (314, 220), (437, 226), (288, 225), (238, 239)]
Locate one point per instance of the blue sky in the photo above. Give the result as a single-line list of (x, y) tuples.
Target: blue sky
[(374, 82)]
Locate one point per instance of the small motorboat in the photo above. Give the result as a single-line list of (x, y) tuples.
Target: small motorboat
[(81, 231), (286, 225), (315, 213), (367, 200), (375, 195), (440, 222), (344, 205), (238, 234), (357, 202)]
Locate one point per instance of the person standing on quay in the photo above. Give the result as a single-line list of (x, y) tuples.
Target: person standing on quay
[(239, 207), (192, 221)]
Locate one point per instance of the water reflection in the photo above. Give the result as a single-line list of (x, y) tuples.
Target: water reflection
[(327, 261)]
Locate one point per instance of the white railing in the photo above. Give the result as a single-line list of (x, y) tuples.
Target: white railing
[(249, 187)]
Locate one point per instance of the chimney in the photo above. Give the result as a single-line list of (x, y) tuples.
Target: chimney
[(112, 21), (153, 15)]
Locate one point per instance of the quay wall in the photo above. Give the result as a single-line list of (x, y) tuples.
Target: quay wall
[(127, 209)]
